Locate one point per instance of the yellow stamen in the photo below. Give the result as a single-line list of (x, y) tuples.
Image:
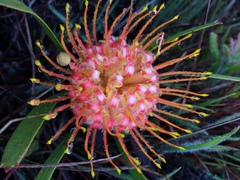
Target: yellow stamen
[(37, 62), (34, 102), (34, 80), (50, 142), (49, 116)]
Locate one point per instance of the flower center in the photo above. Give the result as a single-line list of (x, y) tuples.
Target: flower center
[(114, 80)]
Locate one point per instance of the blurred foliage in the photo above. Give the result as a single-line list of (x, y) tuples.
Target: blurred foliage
[(214, 145), (225, 57)]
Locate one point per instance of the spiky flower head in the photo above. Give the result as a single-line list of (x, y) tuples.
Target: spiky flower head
[(113, 86)]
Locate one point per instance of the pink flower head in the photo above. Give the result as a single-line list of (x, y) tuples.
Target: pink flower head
[(113, 86)]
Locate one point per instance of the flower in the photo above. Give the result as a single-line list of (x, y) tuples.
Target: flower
[(113, 86)]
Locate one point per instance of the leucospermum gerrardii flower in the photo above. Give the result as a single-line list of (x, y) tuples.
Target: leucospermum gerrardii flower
[(112, 85)]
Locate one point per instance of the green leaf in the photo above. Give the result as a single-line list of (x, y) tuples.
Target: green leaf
[(214, 47), (215, 100), (20, 6), (172, 173), (228, 163), (192, 30), (54, 158), (220, 148), (224, 77), (226, 52), (22, 138), (235, 157), (185, 32), (202, 145), (227, 120)]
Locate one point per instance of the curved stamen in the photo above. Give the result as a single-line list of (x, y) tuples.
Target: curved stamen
[(174, 61), (86, 24), (49, 60), (69, 33), (95, 22), (107, 151)]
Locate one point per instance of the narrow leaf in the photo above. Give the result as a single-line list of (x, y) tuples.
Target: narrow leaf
[(212, 142), (172, 173), (191, 30), (214, 47), (224, 77), (201, 145), (54, 158), (20, 6), (185, 32), (220, 148), (23, 136)]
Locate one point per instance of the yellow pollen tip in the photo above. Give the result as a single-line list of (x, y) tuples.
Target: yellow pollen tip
[(150, 114), (195, 98), (175, 134), (136, 43), (203, 114), (93, 174), (80, 89), (139, 170), (163, 160), (188, 36), (66, 151), (58, 87), (208, 73), (34, 80), (34, 102), (204, 95), (188, 131), (77, 26), (203, 78), (122, 135), (37, 62), (197, 52), (189, 105), (162, 6), (49, 116), (67, 8), (196, 121), (137, 162), (145, 8), (50, 142), (181, 148), (83, 129), (118, 170), (124, 62), (176, 17), (110, 1), (158, 165), (62, 27), (86, 3), (154, 8), (46, 117), (153, 128), (175, 39), (38, 43), (89, 156)]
